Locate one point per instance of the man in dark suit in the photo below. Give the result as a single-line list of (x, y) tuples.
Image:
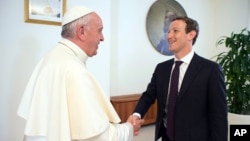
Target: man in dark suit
[(200, 112)]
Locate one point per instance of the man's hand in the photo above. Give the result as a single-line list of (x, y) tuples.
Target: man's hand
[(136, 122)]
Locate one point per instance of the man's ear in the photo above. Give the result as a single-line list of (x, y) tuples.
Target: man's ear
[(192, 34)]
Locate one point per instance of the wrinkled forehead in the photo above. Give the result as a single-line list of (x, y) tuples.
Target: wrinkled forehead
[(96, 21)]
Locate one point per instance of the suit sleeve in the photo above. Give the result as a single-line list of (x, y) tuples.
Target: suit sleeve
[(148, 97), (217, 106)]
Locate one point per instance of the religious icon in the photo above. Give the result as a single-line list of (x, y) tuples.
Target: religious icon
[(158, 19)]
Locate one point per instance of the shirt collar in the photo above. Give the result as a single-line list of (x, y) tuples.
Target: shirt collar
[(75, 49), (186, 59)]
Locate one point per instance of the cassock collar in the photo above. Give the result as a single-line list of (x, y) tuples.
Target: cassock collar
[(75, 49)]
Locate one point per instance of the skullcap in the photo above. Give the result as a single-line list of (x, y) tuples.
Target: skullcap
[(75, 13)]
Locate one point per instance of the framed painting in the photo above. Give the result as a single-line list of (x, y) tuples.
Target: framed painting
[(158, 19), (44, 11)]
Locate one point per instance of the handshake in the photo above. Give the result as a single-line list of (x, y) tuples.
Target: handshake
[(136, 122)]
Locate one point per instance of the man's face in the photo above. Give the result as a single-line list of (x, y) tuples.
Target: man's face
[(177, 36)]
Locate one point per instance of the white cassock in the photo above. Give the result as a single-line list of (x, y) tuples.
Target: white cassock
[(64, 102)]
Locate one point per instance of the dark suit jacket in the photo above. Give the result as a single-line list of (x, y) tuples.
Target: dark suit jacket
[(201, 109)]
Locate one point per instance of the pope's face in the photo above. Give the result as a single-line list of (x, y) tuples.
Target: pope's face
[(94, 35)]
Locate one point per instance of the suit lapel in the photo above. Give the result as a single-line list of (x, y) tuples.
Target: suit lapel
[(191, 73), (166, 79)]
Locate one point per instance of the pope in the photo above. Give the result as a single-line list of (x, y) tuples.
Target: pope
[(62, 100)]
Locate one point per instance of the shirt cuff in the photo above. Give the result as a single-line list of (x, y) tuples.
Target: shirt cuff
[(137, 114)]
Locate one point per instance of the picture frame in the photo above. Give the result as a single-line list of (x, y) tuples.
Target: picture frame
[(48, 12), (158, 19)]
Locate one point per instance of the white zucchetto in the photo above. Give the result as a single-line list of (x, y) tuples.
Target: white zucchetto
[(75, 13)]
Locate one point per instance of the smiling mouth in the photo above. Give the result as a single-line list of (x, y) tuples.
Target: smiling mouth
[(170, 42)]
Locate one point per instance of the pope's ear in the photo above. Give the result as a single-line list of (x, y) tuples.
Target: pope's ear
[(80, 32)]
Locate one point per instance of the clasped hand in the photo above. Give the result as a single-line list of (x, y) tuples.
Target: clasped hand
[(136, 122)]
